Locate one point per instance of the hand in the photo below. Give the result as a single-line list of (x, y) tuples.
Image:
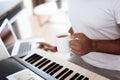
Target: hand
[(80, 44), (47, 47)]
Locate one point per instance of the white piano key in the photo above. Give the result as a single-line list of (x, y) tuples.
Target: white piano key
[(49, 67), (70, 76), (37, 61), (62, 73), (58, 72), (41, 62), (45, 66), (52, 68)]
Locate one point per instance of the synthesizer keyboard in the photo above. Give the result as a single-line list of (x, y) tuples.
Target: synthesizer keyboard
[(58, 68)]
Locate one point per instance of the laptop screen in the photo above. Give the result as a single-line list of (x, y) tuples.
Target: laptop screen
[(8, 38)]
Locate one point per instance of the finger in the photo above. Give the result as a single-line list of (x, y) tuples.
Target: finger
[(74, 42), (74, 36), (44, 44), (46, 49), (75, 48), (40, 46), (75, 52), (50, 49), (77, 36)]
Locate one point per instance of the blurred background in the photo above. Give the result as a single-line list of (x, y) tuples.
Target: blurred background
[(36, 18)]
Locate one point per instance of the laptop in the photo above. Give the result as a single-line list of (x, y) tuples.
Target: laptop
[(12, 46)]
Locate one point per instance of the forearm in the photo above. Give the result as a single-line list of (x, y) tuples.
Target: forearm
[(107, 46)]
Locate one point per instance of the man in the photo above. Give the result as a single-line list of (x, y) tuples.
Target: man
[(96, 38)]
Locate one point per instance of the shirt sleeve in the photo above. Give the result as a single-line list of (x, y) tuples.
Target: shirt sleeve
[(116, 7)]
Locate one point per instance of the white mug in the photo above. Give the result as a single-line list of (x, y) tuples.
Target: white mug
[(62, 43)]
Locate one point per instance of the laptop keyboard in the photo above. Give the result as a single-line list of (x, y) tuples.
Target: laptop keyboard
[(24, 47)]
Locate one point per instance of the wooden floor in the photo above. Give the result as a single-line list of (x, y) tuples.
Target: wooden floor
[(58, 23)]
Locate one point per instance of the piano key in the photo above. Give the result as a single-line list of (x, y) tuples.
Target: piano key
[(81, 71), (66, 75), (92, 77), (86, 78), (34, 60), (30, 57), (55, 70), (37, 61), (75, 76), (52, 64), (40, 62), (81, 77), (52, 68), (44, 63), (61, 73), (95, 77)]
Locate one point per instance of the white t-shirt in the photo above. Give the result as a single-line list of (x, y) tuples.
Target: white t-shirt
[(97, 19)]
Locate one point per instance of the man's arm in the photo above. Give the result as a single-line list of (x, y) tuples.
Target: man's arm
[(107, 46), (81, 45)]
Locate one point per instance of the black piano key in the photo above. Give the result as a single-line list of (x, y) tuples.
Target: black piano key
[(75, 76), (61, 73), (80, 77), (66, 75), (36, 59), (52, 68), (41, 62), (44, 64), (50, 65), (31, 57), (86, 78), (30, 60), (55, 70)]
